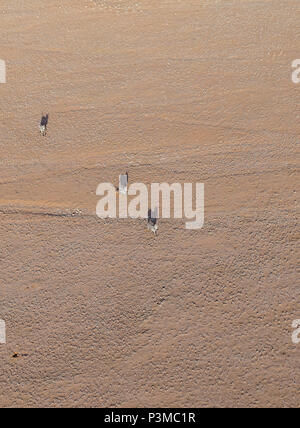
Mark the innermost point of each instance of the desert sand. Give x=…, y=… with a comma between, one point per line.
x=101, y=312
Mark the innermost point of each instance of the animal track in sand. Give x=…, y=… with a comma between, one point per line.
x=118, y=5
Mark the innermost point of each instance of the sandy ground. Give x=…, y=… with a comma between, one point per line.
x=101, y=312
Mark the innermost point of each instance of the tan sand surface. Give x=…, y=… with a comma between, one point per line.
x=102, y=313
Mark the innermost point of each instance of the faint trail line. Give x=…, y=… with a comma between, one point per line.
x=63, y=213
x=247, y=131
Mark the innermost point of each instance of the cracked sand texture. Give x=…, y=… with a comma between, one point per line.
x=101, y=312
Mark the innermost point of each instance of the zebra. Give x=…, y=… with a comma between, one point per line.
x=43, y=130
x=152, y=222
x=43, y=125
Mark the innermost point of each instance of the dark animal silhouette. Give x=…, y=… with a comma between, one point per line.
x=43, y=124
x=152, y=222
